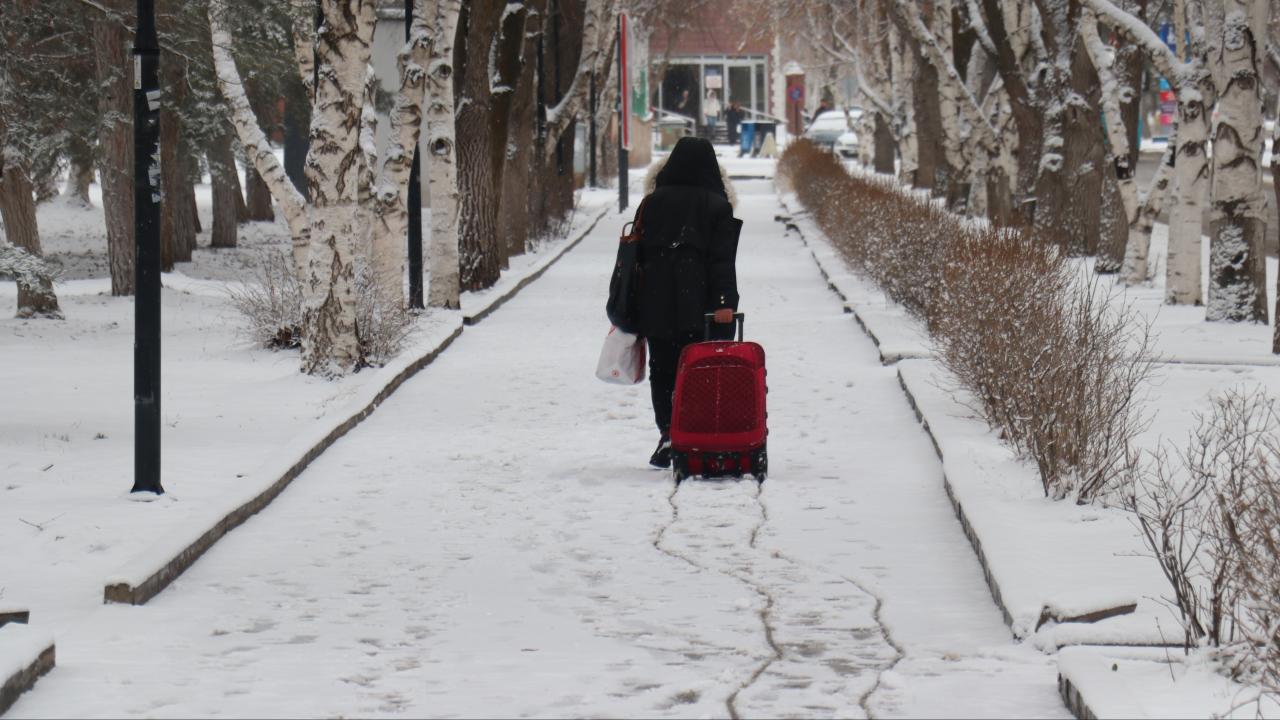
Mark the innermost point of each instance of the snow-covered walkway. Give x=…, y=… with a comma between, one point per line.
x=491, y=542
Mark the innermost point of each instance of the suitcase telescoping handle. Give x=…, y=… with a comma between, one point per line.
x=740, y=319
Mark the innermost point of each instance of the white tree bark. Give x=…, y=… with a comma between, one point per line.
x=1194, y=89
x=1237, y=264
x=968, y=108
x=902, y=68
x=442, y=180
x=1103, y=58
x=331, y=335
x=256, y=147
x=304, y=48
x=390, y=200
x=950, y=89
x=1137, y=251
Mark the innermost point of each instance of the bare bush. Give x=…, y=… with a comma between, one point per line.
x=1056, y=365
x=272, y=300
x=384, y=323
x=1209, y=518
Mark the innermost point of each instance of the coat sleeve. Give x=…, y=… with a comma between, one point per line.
x=722, y=274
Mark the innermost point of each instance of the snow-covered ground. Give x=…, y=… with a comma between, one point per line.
x=235, y=415
x=491, y=542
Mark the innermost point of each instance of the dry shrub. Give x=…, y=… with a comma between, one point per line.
x=272, y=302
x=1210, y=515
x=1055, y=364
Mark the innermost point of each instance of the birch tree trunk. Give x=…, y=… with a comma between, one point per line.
x=18, y=210
x=384, y=260
x=256, y=148
x=391, y=210
x=1112, y=97
x=1059, y=156
x=902, y=68
x=1138, y=248
x=1182, y=271
x=115, y=146
x=442, y=180
x=1238, y=225
x=955, y=178
x=331, y=333
x=1275, y=181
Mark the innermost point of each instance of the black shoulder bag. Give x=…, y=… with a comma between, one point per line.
x=623, y=285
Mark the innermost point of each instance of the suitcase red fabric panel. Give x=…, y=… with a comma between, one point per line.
x=719, y=403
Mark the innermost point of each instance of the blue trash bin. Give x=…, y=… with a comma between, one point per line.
x=747, y=131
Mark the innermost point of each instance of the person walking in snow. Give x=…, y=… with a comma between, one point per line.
x=686, y=259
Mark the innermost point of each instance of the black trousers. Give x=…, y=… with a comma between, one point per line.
x=664, y=355
x=664, y=359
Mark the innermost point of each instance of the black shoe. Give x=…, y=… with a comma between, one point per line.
x=661, y=457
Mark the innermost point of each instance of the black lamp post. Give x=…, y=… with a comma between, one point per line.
x=146, y=229
x=415, y=201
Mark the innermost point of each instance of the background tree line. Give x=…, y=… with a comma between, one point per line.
x=493, y=88
x=1027, y=112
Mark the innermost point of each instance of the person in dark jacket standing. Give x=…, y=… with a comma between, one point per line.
x=733, y=118
x=687, y=264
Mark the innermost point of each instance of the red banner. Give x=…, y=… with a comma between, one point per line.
x=624, y=82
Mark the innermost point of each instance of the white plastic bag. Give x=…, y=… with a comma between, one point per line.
x=621, y=358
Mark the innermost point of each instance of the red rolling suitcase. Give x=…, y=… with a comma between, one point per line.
x=718, y=417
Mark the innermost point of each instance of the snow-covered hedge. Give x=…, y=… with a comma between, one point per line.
x=1054, y=364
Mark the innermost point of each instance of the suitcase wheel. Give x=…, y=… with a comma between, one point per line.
x=679, y=467
x=760, y=464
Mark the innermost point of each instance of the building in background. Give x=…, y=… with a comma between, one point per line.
x=720, y=48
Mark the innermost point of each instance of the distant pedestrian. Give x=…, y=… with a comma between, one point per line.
x=682, y=105
x=732, y=119
x=711, y=111
x=687, y=259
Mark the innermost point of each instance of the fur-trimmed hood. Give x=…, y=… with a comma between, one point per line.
x=651, y=180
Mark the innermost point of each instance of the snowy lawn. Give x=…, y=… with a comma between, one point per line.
x=235, y=416
x=492, y=543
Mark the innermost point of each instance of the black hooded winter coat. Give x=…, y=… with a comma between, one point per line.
x=690, y=243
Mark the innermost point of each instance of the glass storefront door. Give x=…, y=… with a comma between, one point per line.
x=740, y=85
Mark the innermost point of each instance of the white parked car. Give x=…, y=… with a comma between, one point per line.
x=832, y=131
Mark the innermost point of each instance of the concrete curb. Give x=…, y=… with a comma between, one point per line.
x=498, y=301
x=138, y=593
x=1074, y=700
x=974, y=541
x=14, y=615
x=38, y=657
x=888, y=356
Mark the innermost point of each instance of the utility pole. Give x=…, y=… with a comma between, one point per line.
x=624, y=112
x=415, y=201
x=146, y=233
